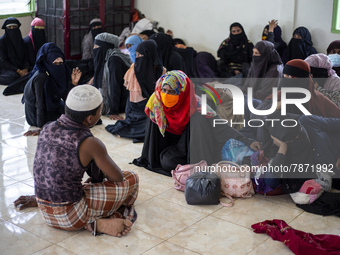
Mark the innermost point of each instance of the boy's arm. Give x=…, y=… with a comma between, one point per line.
x=94, y=149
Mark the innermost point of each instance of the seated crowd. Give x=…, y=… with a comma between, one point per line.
x=151, y=77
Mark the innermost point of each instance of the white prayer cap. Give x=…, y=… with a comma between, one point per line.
x=84, y=98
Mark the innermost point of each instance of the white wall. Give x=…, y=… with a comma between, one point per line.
x=25, y=25
x=204, y=24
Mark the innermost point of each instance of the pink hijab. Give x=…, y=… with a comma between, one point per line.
x=36, y=22
x=321, y=60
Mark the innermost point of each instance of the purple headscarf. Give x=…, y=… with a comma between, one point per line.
x=321, y=60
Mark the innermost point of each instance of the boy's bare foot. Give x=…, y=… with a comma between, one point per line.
x=114, y=227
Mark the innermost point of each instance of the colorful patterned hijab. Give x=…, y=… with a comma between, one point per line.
x=176, y=118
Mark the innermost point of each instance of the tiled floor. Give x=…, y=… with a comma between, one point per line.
x=165, y=224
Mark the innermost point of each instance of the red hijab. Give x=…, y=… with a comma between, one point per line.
x=172, y=119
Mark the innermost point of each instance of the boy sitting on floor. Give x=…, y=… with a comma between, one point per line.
x=66, y=149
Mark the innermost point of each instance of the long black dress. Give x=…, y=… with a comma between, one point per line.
x=147, y=70
x=199, y=141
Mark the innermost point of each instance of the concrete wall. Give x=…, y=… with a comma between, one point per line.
x=205, y=24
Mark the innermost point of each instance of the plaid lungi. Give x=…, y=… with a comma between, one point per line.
x=100, y=200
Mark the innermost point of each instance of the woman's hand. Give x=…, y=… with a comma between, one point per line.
x=282, y=145
x=255, y=146
x=272, y=24
x=75, y=76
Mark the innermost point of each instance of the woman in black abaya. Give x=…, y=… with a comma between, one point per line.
x=140, y=80
x=235, y=52
x=13, y=60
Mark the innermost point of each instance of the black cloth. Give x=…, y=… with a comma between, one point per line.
x=85, y=66
x=36, y=112
x=96, y=31
x=99, y=55
x=299, y=48
x=31, y=54
x=234, y=51
x=275, y=37
x=299, y=151
x=12, y=49
x=265, y=71
x=8, y=76
x=133, y=126
x=327, y=204
x=199, y=141
x=188, y=55
x=148, y=69
x=118, y=95
x=206, y=65
x=12, y=53
x=56, y=85
x=17, y=86
x=39, y=39
x=171, y=59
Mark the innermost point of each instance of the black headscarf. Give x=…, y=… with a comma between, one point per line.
x=15, y=44
x=236, y=47
x=148, y=33
x=300, y=48
x=277, y=33
x=164, y=47
x=108, y=46
x=148, y=68
x=56, y=84
x=95, y=31
x=299, y=149
x=261, y=64
x=238, y=39
x=39, y=38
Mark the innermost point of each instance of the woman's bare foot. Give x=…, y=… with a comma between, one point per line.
x=114, y=227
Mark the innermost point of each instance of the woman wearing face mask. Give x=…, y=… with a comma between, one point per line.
x=131, y=44
x=35, y=39
x=300, y=46
x=110, y=65
x=176, y=132
x=140, y=80
x=333, y=52
x=46, y=90
x=272, y=33
x=13, y=60
x=297, y=74
x=95, y=28
x=235, y=52
x=265, y=70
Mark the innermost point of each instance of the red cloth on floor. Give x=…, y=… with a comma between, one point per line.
x=297, y=241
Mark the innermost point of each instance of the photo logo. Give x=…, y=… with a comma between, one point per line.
x=204, y=97
x=238, y=100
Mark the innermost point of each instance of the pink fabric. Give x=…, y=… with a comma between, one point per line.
x=132, y=85
x=36, y=22
x=321, y=60
x=299, y=242
x=311, y=187
x=182, y=172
